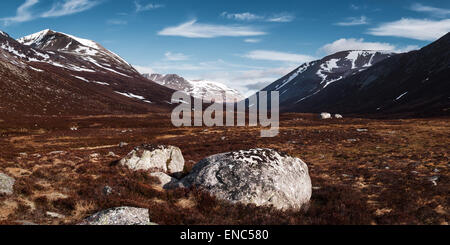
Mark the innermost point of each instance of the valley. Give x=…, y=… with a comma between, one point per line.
x=363, y=171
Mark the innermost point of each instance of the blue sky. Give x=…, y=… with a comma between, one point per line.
x=243, y=44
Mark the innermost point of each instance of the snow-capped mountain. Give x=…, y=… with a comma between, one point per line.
x=310, y=78
x=90, y=54
x=371, y=82
x=197, y=88
x=55, y=73
x=408, y=83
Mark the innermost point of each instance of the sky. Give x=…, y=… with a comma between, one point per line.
x=244, y=44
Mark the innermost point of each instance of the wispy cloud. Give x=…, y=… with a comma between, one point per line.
x=438, y=12
x=419, y=29
x=281, y=18
x=277, y=56
x=192, y=29
x=247, y=16
x=344, y=44
x=23, y=13
x=175, y=56
x=69, y=7
x=146, y=7
x=252, y=40
x=354, y=21
x=242, y=16
x=62, y=8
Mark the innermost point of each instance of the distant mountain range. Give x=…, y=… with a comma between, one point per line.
x=52, y=73
x=55, y=73
x=371, y=82
x=197, y=88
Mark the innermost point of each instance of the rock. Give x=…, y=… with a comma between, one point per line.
x=57, y=152
x=167, y=182
x=167, y=159
x=25, y=222
x=23, y=154
x=119, y=216
x=111, y=154
x=259, y=176
x=6, y=184
x=107, y=190
x=55, y=215
x=325, y=115
x=338, y=116
x=122, y=144
x=362, y=130
x=94, y=155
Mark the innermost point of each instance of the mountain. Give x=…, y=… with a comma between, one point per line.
x=54, y=73
x=197, y=88
x=311, y=78
x=414, y=83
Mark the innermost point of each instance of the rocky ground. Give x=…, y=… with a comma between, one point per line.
x=363, y=171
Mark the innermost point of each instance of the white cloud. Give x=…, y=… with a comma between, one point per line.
x=439, y=12
x=277, y=56
x=192, y=29
x=254, y=17
x=354, y=21
x=420, y=29
x=252, y=40
x=281, y=18
x=344, y=44
x=69, y=7
x=62, y=8
x=242, y=16
x=175, y=56
x=23, y=13
x=146, y=7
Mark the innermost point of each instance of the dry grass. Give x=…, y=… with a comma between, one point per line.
x=374, y=177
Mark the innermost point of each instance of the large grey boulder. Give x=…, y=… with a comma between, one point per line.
x=167, y=159
x=119, y=216
x=258, y=176
x=6, y=184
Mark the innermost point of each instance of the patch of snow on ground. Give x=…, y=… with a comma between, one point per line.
x=130, y=95
x=399, y=97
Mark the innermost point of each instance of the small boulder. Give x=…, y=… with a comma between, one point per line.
x=325, y=115
x=6, y=184
x=167, y=182
x=167, y=159
x=119, y=216
x=259, y=176
x=107, y=190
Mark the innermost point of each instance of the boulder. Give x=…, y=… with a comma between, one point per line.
x=167, y=182
x=167, y=159
x=262, y=177
x=119, y=216
x=6, y=184
x=325, y=115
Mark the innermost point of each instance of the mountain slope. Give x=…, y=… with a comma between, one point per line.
x=310, y=78
x=197, y=88
x=40, y=78
x=416, y=82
